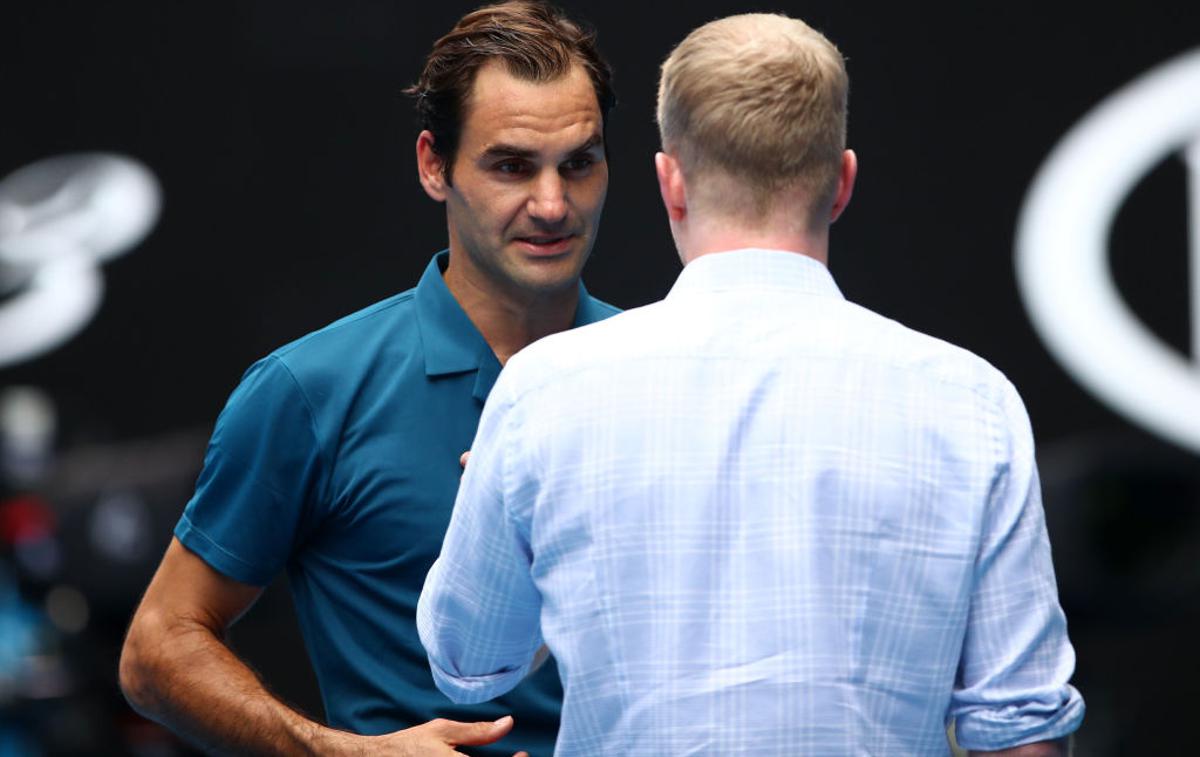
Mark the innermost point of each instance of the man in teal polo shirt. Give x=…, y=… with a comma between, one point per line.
x=337, y=457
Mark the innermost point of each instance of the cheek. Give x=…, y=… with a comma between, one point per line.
x=485, y=210
x=593, y=197
x=505, y=207
x=461, y=215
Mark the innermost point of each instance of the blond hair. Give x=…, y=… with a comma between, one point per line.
x=760, y=100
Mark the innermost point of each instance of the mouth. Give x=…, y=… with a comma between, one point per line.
x=544, y=245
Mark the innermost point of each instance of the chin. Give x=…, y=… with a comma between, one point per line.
x=548, y=285
x=554, y=273
x=549, y=282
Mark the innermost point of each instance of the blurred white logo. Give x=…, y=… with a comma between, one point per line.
x=1062, y=241
x=59, y=218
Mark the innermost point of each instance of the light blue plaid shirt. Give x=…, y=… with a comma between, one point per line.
x=756, y=518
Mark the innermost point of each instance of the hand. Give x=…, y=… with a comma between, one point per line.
x=462, y=459
x=432, y=739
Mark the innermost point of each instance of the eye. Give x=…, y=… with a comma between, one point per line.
x=511, y=167
x=578, y=164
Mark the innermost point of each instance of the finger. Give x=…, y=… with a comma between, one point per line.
x=462, y=459
x=474, y=734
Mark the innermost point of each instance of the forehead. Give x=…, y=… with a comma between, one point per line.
x=504, y=109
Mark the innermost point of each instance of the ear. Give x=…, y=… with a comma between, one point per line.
x=845, y=184
x=431, y=167
x=670, y=184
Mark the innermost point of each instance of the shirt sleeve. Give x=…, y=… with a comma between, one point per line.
x=1012, y=685
x=260, y=471
x=478, y=615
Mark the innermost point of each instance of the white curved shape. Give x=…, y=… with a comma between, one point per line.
x=59, y=218
x=1062, y=238
x=124, y=202
x=57, y=303
x=102, y=204
x=1192, y=157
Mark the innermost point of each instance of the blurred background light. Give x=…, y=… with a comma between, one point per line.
x=67, y=609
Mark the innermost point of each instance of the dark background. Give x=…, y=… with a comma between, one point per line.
x=285, y=151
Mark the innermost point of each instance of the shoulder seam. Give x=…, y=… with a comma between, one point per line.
x=312, y=417
x=346, y=320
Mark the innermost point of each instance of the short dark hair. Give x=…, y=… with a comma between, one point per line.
x=535, y=40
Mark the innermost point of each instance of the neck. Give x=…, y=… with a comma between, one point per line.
x=719, y=235
x=509, y=321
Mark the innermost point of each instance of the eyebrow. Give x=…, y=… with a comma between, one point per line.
x=512, y=151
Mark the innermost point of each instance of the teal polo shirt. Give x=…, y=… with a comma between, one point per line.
x=336, y=459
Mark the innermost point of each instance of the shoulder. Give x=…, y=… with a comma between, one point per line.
x=335, y=360
x=595, y=309
x=364, y=341
x=388, y=319
x=936, y=361
x=620, y=335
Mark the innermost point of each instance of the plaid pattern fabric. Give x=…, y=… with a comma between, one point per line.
x=756, y=518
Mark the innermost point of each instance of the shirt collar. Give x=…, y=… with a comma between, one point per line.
x=451, y=342
x=589, y=310
x=753, y=268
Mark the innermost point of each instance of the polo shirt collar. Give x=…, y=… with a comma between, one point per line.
x=589, y=310
x=756, y=269
x=451, y=342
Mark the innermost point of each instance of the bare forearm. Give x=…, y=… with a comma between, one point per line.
x=176, y=669
x=181, y=675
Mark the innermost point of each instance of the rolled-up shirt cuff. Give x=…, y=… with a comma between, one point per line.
x=475, y=689
x=985, y=728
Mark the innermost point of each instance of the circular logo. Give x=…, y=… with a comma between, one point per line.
x=1062, y=243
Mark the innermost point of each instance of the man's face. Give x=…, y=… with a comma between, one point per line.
x=529, y=182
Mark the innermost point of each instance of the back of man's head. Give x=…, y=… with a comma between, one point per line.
x=757, y=101
x=535, y=41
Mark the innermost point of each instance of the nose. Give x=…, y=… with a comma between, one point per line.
x=548, y=197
